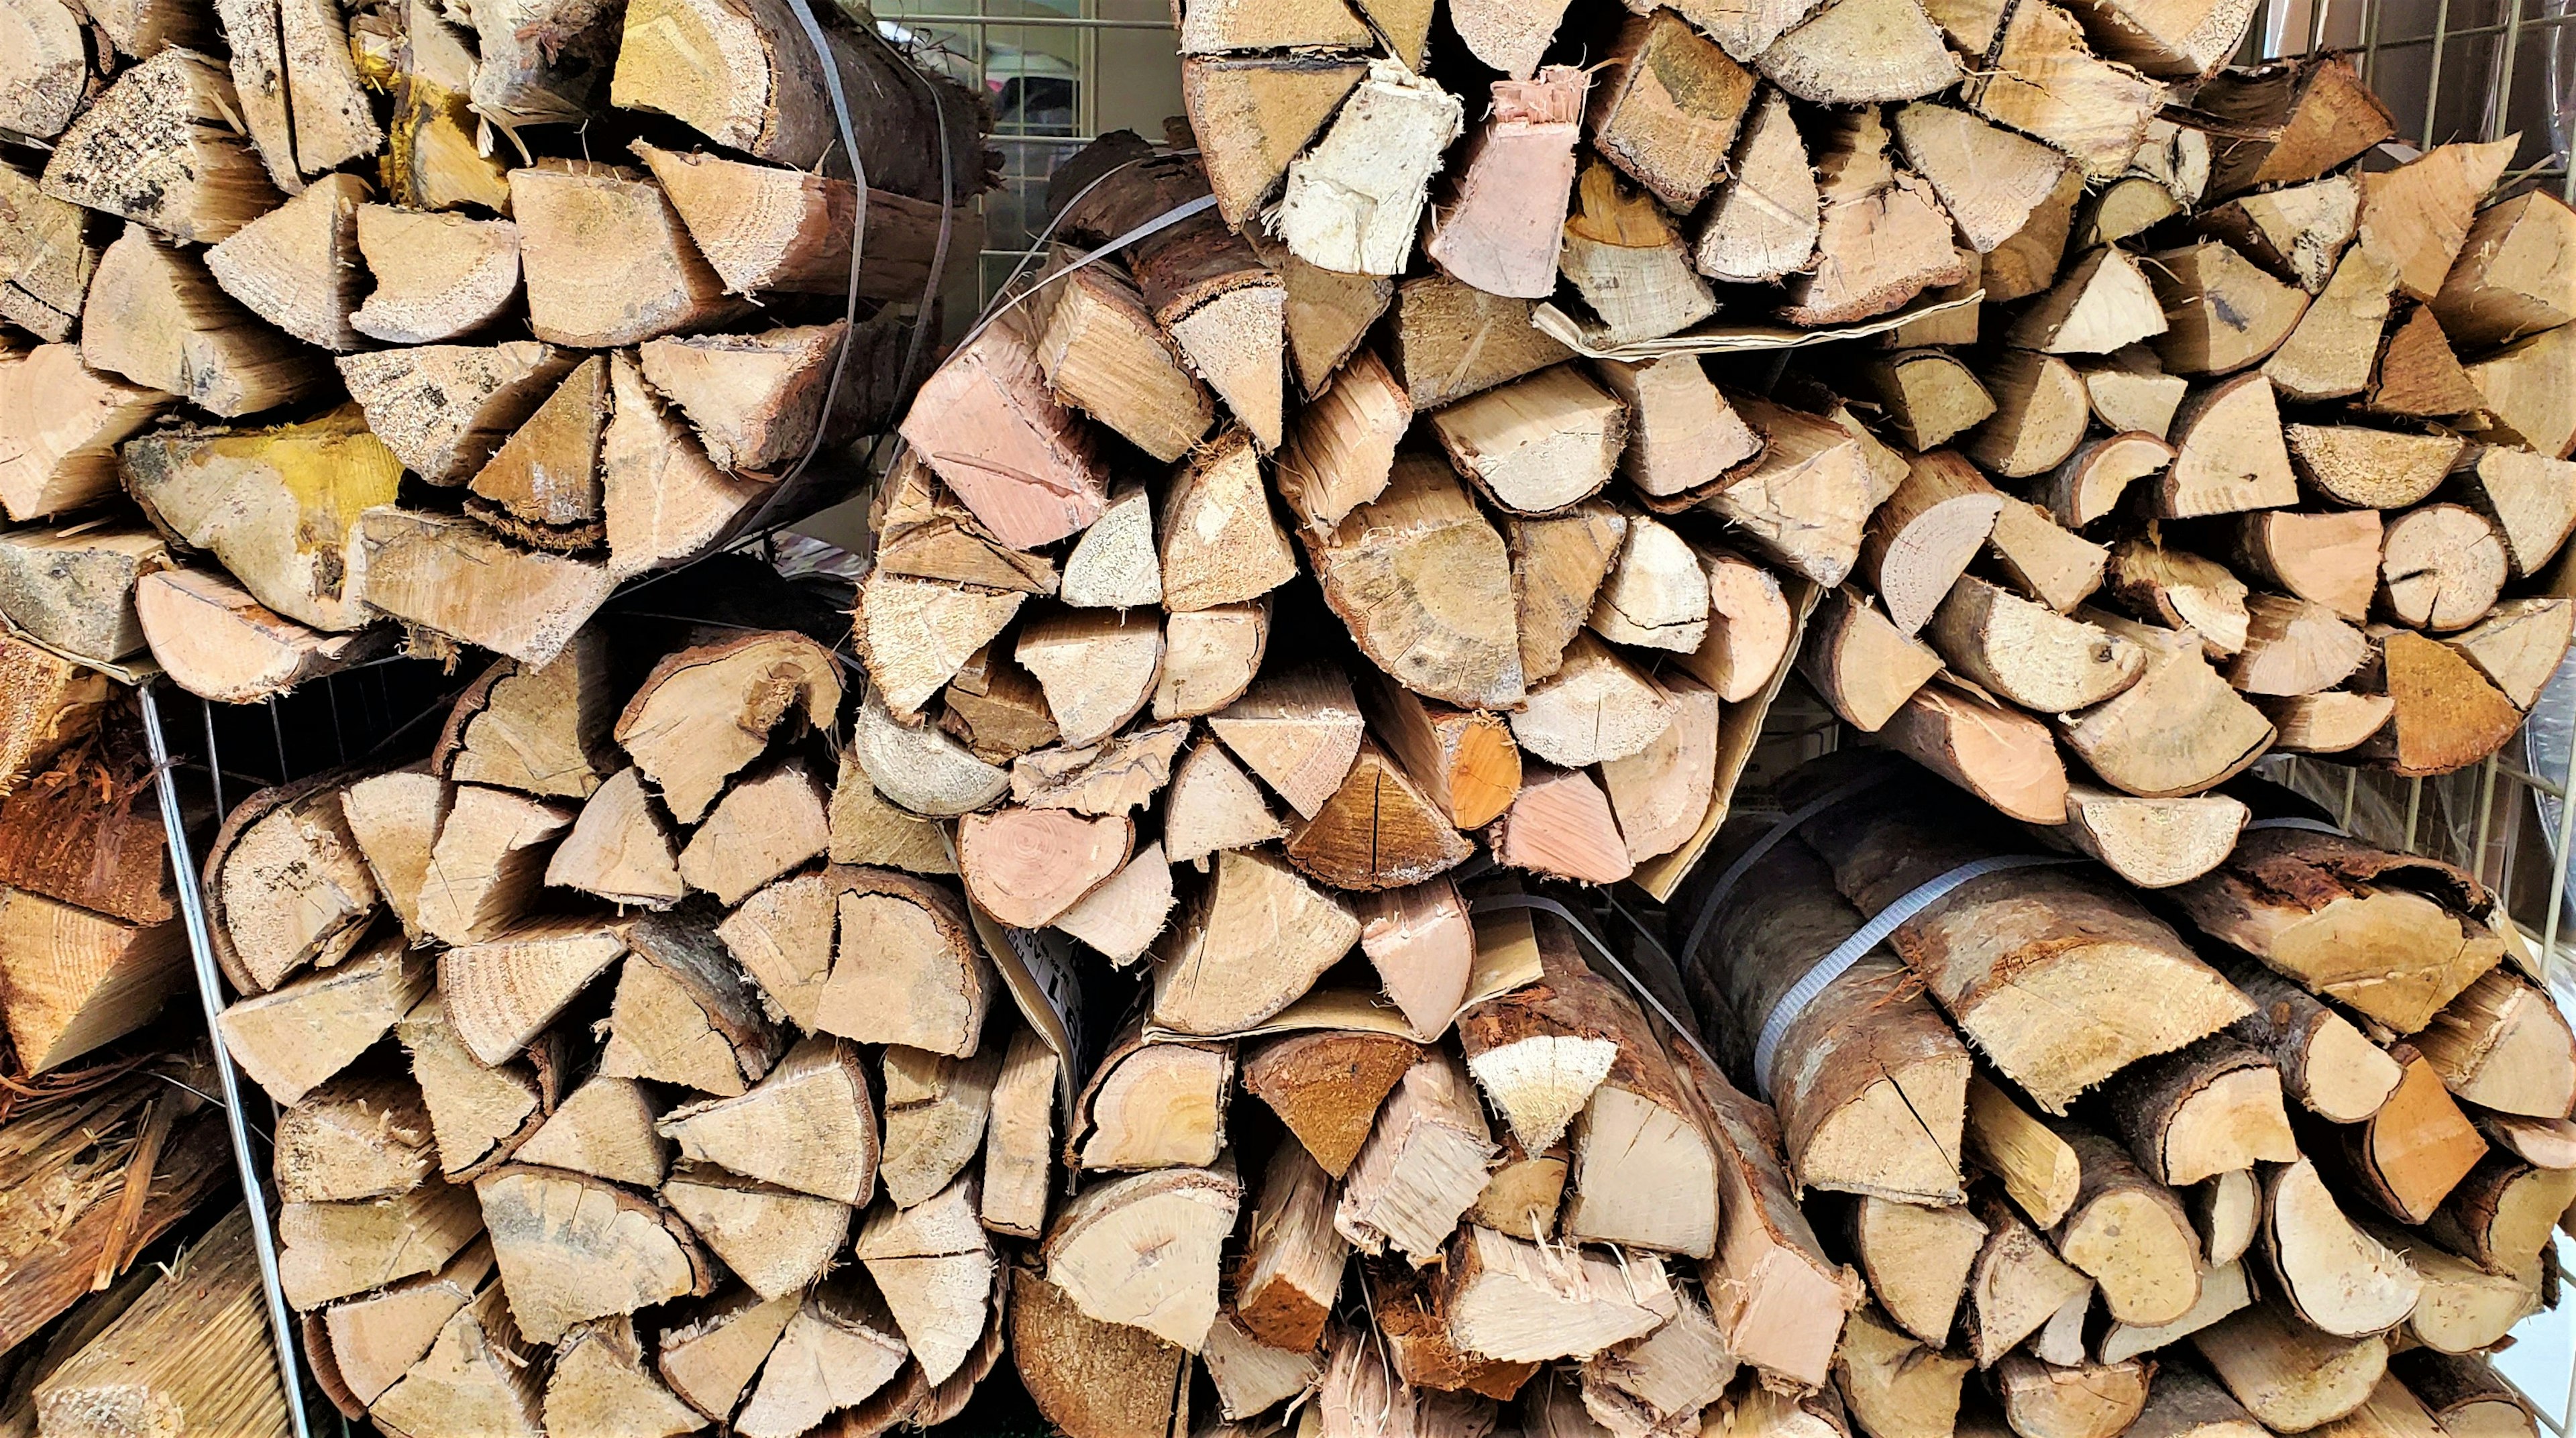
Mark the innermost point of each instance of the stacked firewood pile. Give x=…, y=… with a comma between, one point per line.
x=566, y=1020
x=438, y=317
x=2281, y=1146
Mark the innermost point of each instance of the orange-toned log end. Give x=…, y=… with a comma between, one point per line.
x=2448, y=716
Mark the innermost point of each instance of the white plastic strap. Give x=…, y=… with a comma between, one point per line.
x=1785, y=1010
x=1789, y=824
x=1689, y=1033
x=2313, y=826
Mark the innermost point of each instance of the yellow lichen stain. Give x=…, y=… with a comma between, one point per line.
x=333, y=467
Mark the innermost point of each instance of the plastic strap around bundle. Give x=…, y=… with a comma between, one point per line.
x=1788, y=825
x=2313, y=826
x=1785, y=1009
x=1545, y=905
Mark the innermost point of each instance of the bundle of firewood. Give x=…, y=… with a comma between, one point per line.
x=567, y=1023
x=441, y=314
x=2282, y=1146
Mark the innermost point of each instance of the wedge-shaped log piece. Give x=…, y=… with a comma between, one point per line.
x=1502, y=229
x=2409, y=1154
x=705, y=712
x=909, y=970
x=64, y=423
x=438, y=276
x=1597, y=707
x=2211, y=1108
x=2502, y=1046
x=487, y=865
x=1989, y=179
x=571, y=1247
x=2152, y=843
x=2511, y=278
x=361, y=1135
x=301, y=1033
x=2014, y=1284
x=1326, y=1086
x=921, y=770
x=2305, y=117
x=1254, y=113
x=2531, y=500
x=765, y=228
x=1628, y=261
x=2039, y=416
x=1661, y=793
x=2182, y=592
x=985, y=418
x=1341, y=448
x=2416, y=217
x=663, y=501
x=1883, y=237
x=2526, y=391
x=1538, y=444
x=443, y=409
x=684, y=1014
x=1153, y=1105
x=504, y=989
x=297, y=266
x=1930, y=396
x=2418, y=377
x=607, y=260
x=2336, y=1278
x=1423, y=582
x=155, y=315
x=808, y=1126
x=2101, y=303
x=2394, y=938
x=1917, y=1260
x=1253, y=940
x=2328, y=559
x=2001, y=755
x=2030, y=654
x=1299, y=729
x=915, y=634
x=1558, y=565
x=2330, y=722
x=1666, y=114
x=2129, y=1234
x=711, y=1357
x=1857, y=52
x=1861, y=664
x=1560, y=824
x=620, y=848
x=1763, y=225
x=1144, y=1250
x=1025, y=867
x=1378, y=831
x=164, y=146
x=478, y=1114
x=1220, y=542
x=868, y=829
x=2179, y=730
x=543, y=485
x=1920, y=541
x=332, y=1250
x=1353, y=201
x=756, y=400
x=2293, y=646
x=1893, y=1386
x=2229, y=454
x=777, y=1240
x=1113, y=777
x=840, y=1348
x=2290, y=1377
x=600, y=1387
x=1109, y=1380
x=287, y=885
x=2500, y=1216
x=2331, y=351
x=605, y=1129
x=2446, y=715
x=2045, y=82
x=1422, y=1166
x=2324, y=1061
x=1508, y=1301
x=1102, y=352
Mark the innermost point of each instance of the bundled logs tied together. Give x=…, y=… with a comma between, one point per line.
x=442, y=314
x=2278, y=1149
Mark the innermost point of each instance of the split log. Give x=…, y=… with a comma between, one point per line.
x=1561, y=825
x=937, y=1271
x=1502, y=230
x=1669, y=116
x=2331, y=351
x=2409, y=1155
x=1863, y=665
x=2211, y=1108
x=1917, y=1260
x=2129, y=1234
x=163, y=147
x=2290, y=1377
x=908, y=970
x=920, y=769
x=1558, y=566
x=2464, y=1395
x=2179, y=730
x=2327, y=559
x=2464, y=1308
x=1764, y=224
x=1930, y=396
x=1422, y=1166
x=600, y=1388
x=2417, y=376
x=65, y=422
x=1253, y=941
x=1299, y=729
x=2152, y=843
x=2014, y=1285
x=1144, y=1250
x=1220, y=543
x=605, y=1129
x=986, y=417
x=1326, y=1087
x=155, y=315
x=2040, y=411
x=1893, y=1386
x=2524, y=385
x=1353, y=201
x=1213, y=806
x=1882, y=237
x=1099, y=347
x=2046, y=83
x=1152, y=1105
x=2503, y=1046
x=2294, y=646
x=935, y=1109
x=705, y=712
x=2507, y=281
x=1293, y=1260
x=1019, y=1138
x=1025, y=867
x=488, y=863
x=2039, y=1169
x=2324, y=1061
x=2298, y=232
x=2336, y=1278
x=1378, y=568
x=296, y=266
x=807, y=1126
x=2331, y=722
x=2530, y=499
x=2000, y=755
x=332, y=1250
x=2444, y=713
x=1509, y=1301
x=478, y=1114
x=296, y=1036
x=2501, y=1215
x=2407, y=934
x=2029, y=654
x=1093, y=1379
x=684, y=1014
x=1962, y=944
x=777, y=1240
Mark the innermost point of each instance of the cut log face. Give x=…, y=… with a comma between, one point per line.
x=2040, y=411
x=65, y=423
x=452, y=577
x=1378, y=831
x=920, y=769
x=540, y=729
x=289, y=886
x=361, y=1135
x=2152, y=843
x=443, y=409
x=1597, y=707
x=2002, y=756
x=1558, y=565
x=986, y=417
x=2525, y=388
x=2531, y=499
x=2031, y=655
x=1025, y=867
x=2441, y=567
x=1861, y=664
x=1917, y=1260
x=1882, y=238
x=1501, y=232
x=2508, y=280
x=2417, y=376
x=2326, y=559
x=777, y=1240
x=607, y=261
x=1144, y=1250
x=1627, y=259
x=1108, y=1379
x=2445, y=715
x=1763, y=225
x=571, y=1248
x=619, y=848
x=1422, y=1167
x=1506, y=1301
x=2502, y=1046
x=2210, y=1108
x=1849, y=53
x=600, y=1388
x=908, y=969
x=1667, y=114
x=1253, y=941
x=1538, y=444
x=438, y=276
x=2293, y=646
x=605, y=1129
x=296, y=267
x=2046, y=83
x=332, y=1250
x=808, y=1126
x=2101, y=303
x=488, y=863
x=683, y=1014
x=1424, y=584
x=478, y=1114
x=502, y=991
x=1561, y=824
x=2014, y=1285
x=2330, y=353
x=294, y=1037
x=1989, y=179
x=164, y=146
x=1893, y=1386
x=705, y=712
x=2338, y=1279
x=936, y=1107
x=2290, y=1377
x=2179, y=730
x=1326, y=1086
